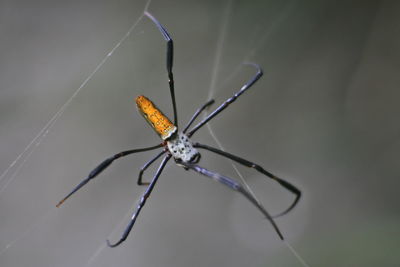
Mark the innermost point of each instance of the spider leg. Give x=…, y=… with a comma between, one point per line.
x=145, y=166
x=197, y=113
x=230, y=100
x=141, y=203
x=232, y=184
x=102, y=166
x=170, y=58
x=260, y=169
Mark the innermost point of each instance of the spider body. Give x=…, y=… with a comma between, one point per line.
x=177, y=144
x=157, y=120
x=181, y=148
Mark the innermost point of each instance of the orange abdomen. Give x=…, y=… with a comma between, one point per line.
x=157, y=120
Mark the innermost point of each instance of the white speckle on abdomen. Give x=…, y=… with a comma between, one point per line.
x=182, y=148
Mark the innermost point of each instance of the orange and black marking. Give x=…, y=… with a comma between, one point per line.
x=157, y=120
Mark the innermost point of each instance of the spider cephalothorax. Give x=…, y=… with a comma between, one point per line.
x=178, y=145
x=181, y=148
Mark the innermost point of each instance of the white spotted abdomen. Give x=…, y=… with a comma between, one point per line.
x=182, y=148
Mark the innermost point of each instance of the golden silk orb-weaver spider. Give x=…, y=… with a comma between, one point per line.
x=177, y=144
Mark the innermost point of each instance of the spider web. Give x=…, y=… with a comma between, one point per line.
x=15, y=174
x=247, y=58
x=308, y=119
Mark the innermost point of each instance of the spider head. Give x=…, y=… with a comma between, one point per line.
x=181, y=148
x=195, y=158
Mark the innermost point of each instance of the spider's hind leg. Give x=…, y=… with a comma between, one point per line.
x=170, y=58
x=230, y=100
x=197, y=113
x=145, y=166
x=102, y=166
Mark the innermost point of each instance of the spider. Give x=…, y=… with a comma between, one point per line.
x=177, y=145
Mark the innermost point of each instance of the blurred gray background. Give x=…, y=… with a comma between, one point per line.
x=324, y=116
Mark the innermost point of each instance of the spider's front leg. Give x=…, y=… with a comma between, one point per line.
x=232, y=184
x=141, y=203
x=283, y=183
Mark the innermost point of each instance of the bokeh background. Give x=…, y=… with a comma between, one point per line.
x=324, y=116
